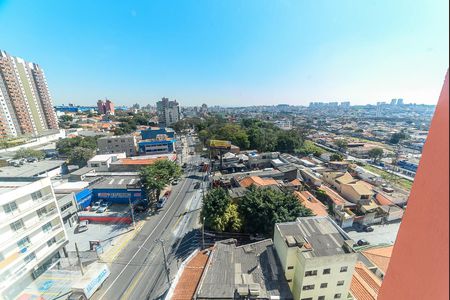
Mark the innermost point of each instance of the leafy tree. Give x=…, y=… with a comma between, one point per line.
x=261, y=208
x=24, y=153
x=218, y=213
x=66, y=118
x=376, y=154
x=79, y=156
x=397, y=137
x=336, y=157
x=155, y=177
x=308, y=147
x=341, y=144
x=288, y=141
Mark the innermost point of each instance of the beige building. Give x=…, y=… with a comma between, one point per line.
x=357, y=192
x=337, y=179
x=317, y=258
x=117, y=144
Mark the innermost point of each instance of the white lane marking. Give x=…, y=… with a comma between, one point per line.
x=142, y=245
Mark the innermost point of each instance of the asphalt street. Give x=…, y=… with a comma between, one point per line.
x=139, y=271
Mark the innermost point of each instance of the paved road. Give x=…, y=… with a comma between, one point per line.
x=139, y=272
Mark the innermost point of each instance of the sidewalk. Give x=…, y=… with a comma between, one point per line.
x=120, y=242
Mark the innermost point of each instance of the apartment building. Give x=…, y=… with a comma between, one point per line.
x=25, y=103
x=32, y=234
x=117, y=144
x=317, y=258
x=105, y=107
x=168, y=112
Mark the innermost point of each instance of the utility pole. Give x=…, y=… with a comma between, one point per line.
x=165, y=260
x=79, y=259
x=132, y=211
x=203, y=233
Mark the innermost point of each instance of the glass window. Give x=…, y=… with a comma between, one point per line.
x=10, y=207
x=323, y=285
x=23, y=243
x=337, y=296
x=311, y=273
x=344, y=269
x=290, y=267
x=41, y=212
x=17, y=225
x=47, y=227
x=29, y=257
x=310, y=298
x=340, y=282
x=326, y=271
x=321, y=298
x=36, y=195
x=308, y=287
x=51, y=242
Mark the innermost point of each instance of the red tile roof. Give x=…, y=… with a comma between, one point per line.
x=379, y=256
x=365, y=285
x=309, y=201
x=335, y=197
x=149, y=161
x=258, y=181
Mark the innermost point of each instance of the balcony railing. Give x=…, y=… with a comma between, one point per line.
x=23, y=211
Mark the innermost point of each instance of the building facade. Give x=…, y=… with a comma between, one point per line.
x=105, y=107
x=26, y=106
x=117, y=144
x=32, y=234
x=150, y=147
x=317, y=258
x=168, y=112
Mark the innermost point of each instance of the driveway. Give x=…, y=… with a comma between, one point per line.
x=381, y=234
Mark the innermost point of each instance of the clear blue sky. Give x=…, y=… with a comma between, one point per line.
x=232, y=52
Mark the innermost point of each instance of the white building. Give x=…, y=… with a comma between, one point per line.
x=31, y=232
x=317, y=258
x=100, y=163
x=168, y=112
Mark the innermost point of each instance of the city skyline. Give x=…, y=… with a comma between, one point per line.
x=238, y=54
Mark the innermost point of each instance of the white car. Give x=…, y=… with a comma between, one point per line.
x=96, y=205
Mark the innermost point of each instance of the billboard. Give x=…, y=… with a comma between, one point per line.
x=220, y=144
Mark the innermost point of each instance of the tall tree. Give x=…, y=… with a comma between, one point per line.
x=376, y=154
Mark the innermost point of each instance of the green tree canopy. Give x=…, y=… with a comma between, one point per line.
x=376, y=154
x=336, y=157
x=79, y=156
x=155, y=177
x=25, y=152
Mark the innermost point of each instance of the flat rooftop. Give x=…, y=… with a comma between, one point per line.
x=232, y=269
x=321, y=233
x=31, y=169
x=115, y=182
x=8, y=184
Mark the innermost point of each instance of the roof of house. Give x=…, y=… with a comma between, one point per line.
x=321, y=234
x=309, y=201
x=345, y=178
x=252, y=266
x=360, y=188
x=379, y=256
x=148, y=161
x=190, y=276
x=106, y=157
x=365, y=285
x=383, y=199
x=335, y=197
x=258, y=181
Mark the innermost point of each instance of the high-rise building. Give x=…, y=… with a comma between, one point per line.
x=25, y=103
x=400, y=101
x=393, y=101
x=316, y=256
x=32, y=234
x=105, y=107
x=168, y=112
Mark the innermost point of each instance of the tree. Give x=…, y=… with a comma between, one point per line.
x=341, y=144
x=66, y=118
x=155, y=177
x=336, y=157
x=261, y=208
x=397, y=137
x=376, y=154
x=79, y=156
x=25, y=153
x=219, y=213
x=288, y=141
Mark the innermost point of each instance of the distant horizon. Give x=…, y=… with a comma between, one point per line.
x=233, y=53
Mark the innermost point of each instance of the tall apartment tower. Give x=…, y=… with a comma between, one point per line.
x=32, y=234
x=168, y=112
x=26, y=105
x=105, y=107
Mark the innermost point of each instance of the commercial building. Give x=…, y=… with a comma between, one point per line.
x=105, y=107
x=149, y=147
x=153, y=133
x=317, y=258
x=26, y=106
x=117, y=144
x=31, y=232
x=100, y=163
x=168, y=112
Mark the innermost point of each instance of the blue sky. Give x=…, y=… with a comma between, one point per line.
x=231, y=53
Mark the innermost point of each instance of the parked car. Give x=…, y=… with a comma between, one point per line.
x=197, y=185
x=96, y=205
x=184, y=166
x=175, y=182
x=103, y=207
x=368, y=229
x=161, y=203
x=83, y=225
x=362, y=243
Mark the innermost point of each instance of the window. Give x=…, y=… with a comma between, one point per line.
x=51, y=242
x=340, y=283
x=17, y=225
x=343, y=269
x=326, y=271
x=311, y=273
x=36, y=195
x=321, y=298
x=308, y=287
x=289, y=280
x=290, y=267
x=10, y=207
x=337, y=296
x=93, y=165
x=323, y=285
x=29, y=257
x=23, y=243
x=41, y=212
x=47, y=227
x=310, y=298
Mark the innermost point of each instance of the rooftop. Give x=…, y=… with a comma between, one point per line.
x=309, y=201
x=8, y=184
x=31, y=169
x=243, y=269
x=316, y=236
x=257, y=181
x=109, y=182
x=106, y=157
x=379, y=257
x=365, y=285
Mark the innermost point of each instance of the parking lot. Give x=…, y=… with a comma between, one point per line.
x=381, y=234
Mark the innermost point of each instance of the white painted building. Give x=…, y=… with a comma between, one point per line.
x=317, y=258
x=31, y=232
x=100, y=163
